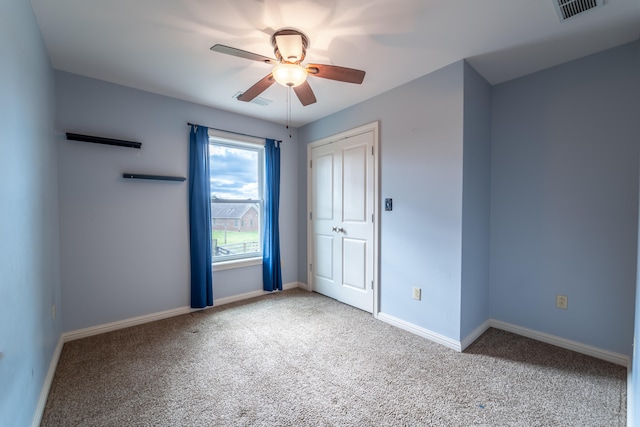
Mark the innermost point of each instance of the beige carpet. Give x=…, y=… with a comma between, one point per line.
x=300, y=359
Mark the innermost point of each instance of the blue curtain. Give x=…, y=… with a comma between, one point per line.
x=271, y=273
x=200, y=218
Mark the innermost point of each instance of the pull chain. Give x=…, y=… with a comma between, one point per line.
x=289, y=109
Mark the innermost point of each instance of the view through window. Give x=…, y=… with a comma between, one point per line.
x=237, y=184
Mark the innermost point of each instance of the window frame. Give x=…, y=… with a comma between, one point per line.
x=225, y=139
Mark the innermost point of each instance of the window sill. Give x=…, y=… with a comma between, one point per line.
x=237, y=263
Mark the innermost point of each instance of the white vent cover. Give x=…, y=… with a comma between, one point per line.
x=568, y=8
x=257, y=100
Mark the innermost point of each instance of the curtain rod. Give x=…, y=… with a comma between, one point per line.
x=235, y=133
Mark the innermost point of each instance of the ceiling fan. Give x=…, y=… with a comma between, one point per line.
x=290, y=48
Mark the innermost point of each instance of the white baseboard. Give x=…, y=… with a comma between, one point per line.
x=121, y=324
x=254, y=294
x=598, y=353
x=420, y=331
x=469, y=339
x=44, y=393
x=139, y=320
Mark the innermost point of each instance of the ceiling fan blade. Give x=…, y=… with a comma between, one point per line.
x=333, y=72
x=257, y=88
x=305, y=94
x=242, y=54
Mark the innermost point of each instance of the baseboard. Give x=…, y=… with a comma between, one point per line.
x=121, y=324
x=303, y=286
x=425, y=333
x=469, y=339
x=253, y=294
x=598, y=353
x=48, y=380
x=139, y=320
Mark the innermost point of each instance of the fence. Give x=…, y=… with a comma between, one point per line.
x=235, y=248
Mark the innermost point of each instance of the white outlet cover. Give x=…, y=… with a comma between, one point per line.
x=562, y=301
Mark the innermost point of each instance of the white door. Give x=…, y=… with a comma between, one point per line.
x=341, y=220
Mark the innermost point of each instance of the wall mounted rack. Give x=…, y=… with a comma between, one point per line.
x=100, y=140
x=154, y=177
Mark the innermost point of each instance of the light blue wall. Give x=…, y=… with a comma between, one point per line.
x=124, y=243
x=421, y=142
x=29, y=264
x=564, y=205
x=476, y=202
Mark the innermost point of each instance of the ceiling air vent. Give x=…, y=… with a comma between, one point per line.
x=257, y=100
x=568, y=8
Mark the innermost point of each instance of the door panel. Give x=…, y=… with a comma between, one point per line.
x=324, y=186
x=324, y=257
x=354, y=263
x=354, y=189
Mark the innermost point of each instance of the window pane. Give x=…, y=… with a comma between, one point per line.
x=235, y=229
x=234, y=173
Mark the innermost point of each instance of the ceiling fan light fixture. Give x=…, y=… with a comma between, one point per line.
x=291, y=75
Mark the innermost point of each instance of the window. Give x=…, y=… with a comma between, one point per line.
x=236, y=168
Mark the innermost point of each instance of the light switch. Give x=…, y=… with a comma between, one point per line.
x=388, y=204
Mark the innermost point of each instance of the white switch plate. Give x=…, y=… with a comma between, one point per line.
x=417, y=293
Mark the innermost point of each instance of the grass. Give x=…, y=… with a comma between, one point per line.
x=235, y=236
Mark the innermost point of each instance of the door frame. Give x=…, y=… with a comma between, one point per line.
x=371, y=127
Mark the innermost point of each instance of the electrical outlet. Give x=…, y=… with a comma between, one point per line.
x=562, y=301
x=417, y=293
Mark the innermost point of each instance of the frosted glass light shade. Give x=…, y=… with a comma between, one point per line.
x=289, y=74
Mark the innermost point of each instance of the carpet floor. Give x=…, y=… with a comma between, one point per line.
x=297, y=358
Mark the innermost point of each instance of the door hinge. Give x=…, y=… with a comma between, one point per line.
x=372, y=218
x=311, y=215
x=310, y=267
x=372, y=150
x=372, y=284
x=310, y=164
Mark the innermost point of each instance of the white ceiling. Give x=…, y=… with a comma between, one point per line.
x=162, y=46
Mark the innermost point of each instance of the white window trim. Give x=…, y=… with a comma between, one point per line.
x=235, y=138
x=236, y=263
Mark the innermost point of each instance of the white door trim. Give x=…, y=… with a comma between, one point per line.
x=371, y=127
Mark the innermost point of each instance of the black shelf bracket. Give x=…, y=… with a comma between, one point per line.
x=100, y=140
x=154, y=177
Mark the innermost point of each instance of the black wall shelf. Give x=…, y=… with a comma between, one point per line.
x=100, y=140
x=154, y=177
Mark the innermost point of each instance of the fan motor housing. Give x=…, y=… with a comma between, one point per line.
x=289, y=32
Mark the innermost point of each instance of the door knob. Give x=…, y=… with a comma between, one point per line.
x=334, y=228
x=340, y=230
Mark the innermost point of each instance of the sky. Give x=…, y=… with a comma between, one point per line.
x=234, y=172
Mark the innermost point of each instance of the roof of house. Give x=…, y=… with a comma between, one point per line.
x=230, y=210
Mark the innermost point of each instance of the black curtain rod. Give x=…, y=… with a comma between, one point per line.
x=235, y=133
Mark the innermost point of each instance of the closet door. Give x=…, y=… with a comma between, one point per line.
x=342, y=194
